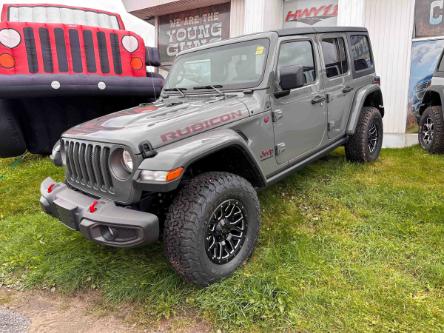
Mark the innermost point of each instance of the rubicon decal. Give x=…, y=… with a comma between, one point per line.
x=201, y=126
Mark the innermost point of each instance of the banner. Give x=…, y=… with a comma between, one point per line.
x=185, y=30
x=429, y=18
x=310, y=13
x=425, y=57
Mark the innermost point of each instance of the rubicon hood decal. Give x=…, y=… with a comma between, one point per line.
x=200, y=126
x=161, y=123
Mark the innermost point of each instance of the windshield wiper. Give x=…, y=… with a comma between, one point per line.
x=214, y=87
x=180, y=90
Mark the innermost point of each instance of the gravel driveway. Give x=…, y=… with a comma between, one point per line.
x=12, y=322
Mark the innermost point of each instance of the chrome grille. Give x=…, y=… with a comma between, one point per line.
x=87, y=165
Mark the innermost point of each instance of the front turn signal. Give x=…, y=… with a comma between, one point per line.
x=161, y=176
x=7, y=60
x=136, y=63
x=174, y=174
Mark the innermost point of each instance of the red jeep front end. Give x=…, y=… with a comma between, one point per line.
x=62, y=65
x=96, y=56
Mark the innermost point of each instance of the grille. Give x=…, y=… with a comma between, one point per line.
x=73, y=48
x=87, y=165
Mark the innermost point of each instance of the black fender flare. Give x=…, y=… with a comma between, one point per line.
x=358, y=103
x=186, y=152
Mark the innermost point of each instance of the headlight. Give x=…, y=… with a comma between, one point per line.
x=160, y=176
x=56, y=155
x=130, y=43
x=121, y=163
x=127, y=161
x=10, y=38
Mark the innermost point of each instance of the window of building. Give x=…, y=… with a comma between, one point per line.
x=299, y=53
x=335, y=56
x=361, y=53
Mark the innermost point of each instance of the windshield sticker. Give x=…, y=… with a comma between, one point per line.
x=260, y=50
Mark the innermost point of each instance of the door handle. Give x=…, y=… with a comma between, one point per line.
x=318, y=99
x=347, y=89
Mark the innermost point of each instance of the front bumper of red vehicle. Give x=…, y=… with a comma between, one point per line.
x=47, y=85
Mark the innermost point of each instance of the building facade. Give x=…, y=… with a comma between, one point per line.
x=407, y=38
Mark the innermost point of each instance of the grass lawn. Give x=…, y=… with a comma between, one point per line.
x=343, y=247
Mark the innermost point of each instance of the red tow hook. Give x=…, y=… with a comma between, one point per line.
x=93, y=207
x=51, y=188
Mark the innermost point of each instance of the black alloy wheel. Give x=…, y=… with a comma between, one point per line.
x=226, y=232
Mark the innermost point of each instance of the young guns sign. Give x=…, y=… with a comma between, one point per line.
x=185, y=30
x=305, y=13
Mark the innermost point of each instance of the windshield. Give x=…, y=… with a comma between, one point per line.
x=232, y=66
x=62, y=15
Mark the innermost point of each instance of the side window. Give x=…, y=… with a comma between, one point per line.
x=299, y=53
x=335, y=56
x=441, y=64
x=361, y=53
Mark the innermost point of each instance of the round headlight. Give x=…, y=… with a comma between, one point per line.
x=9, y=38
x=130, y=43
x=127, y=161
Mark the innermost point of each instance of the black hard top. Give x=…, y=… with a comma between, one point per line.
x=318, y=30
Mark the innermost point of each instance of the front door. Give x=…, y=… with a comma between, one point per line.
x=300, y=119
x=338, y=83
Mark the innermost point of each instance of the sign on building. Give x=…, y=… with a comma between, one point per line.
x=429, y=18
x=185, y=30
x=310, y=13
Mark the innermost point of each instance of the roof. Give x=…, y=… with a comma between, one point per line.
x=319, y=30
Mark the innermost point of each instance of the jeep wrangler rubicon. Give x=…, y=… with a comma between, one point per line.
x=430, y=114
x=234, y=117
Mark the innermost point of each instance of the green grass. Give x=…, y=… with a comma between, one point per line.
x=343, y=247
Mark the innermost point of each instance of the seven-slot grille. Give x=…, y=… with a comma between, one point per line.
x=70, y=47
x=87, y=165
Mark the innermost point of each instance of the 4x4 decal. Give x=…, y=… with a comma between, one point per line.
x=201, y=126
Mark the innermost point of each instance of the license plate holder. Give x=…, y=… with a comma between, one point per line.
x=66, y=213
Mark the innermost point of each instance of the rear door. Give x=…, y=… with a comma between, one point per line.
x=300, y=117
x=338, y=82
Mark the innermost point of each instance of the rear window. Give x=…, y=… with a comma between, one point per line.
x=62, y=15
x=361, y=52
x=335, y=56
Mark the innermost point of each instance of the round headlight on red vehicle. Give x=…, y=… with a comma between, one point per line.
x=10, y=38
x=130, y=43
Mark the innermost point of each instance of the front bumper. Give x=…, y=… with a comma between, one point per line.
x=98, y=220
x=49, y=85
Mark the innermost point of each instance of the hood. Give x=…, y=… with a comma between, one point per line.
x=162, y=122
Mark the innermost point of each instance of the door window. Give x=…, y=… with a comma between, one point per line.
x=361, y=53
x=299, y=53
x=335, y=57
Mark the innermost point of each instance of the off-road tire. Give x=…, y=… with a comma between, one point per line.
x=12, y=142
x=357, y=148
x=189, y=216
x=432, y=116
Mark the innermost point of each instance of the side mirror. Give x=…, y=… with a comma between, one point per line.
x=291, y=77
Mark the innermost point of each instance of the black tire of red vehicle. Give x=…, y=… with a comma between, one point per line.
x=365, y=145
x=188, y=222
x=431, y=130
x=12, y=142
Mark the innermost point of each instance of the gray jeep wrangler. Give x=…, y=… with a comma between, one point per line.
x=234, y=117
x=431, y=118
